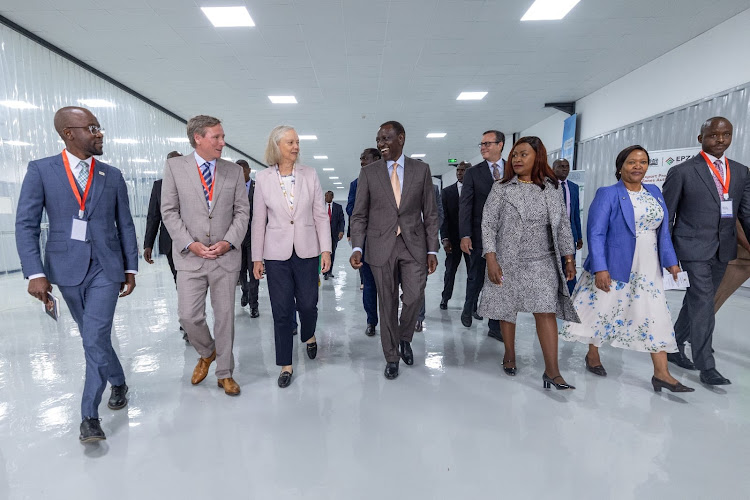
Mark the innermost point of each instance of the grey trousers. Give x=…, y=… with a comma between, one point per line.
x=413, y=278
x=696, y=320
x=192, y=287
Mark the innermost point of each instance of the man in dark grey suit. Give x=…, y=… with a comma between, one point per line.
x=154, y=226
x=704, y=196
x=393, y=195
x=478, y=182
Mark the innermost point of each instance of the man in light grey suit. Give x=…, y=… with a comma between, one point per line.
x=705, y=195
x=393, y=195
x=205, y=208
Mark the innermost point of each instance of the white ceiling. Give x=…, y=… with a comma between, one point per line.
x=354, y=64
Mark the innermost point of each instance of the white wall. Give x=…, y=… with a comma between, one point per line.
x=550, y=131
x=709, y=63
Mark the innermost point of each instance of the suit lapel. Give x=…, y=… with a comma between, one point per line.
x=702, y=170
x=193, y=174
x=409, y=176
x=220, y=176
x=97, y=187
x=59, y=169
x=626, y=206
x=298, y=180
x=381, y=172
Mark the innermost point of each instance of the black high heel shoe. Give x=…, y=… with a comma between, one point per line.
x=596, y=370
x=551, y=381
x=678, y=387
x=312, y=350
x=510, y=371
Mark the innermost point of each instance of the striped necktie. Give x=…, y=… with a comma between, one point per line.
x=209, y=180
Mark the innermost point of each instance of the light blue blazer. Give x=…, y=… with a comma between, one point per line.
x=611, y=232
x=110, y=233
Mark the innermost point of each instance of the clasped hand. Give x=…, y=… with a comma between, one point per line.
x=214, y=251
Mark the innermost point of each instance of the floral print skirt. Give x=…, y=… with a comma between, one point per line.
x=632, y=315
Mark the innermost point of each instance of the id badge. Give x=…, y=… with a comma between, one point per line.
x=78, y=232
x=726, y=209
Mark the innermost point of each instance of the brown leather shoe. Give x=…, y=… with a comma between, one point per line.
x=201, y=369
x=231, y=388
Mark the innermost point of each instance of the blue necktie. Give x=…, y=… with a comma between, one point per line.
x=209, y=180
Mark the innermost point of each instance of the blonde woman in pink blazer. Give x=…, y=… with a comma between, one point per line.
x=290, y=230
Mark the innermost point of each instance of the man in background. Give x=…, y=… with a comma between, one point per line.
x=336, y=217
x=450, y=235
x=571, y=193
x=248, y=282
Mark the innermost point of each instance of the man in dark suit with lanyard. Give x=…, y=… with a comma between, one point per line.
x=478, y=182
x=571, y=194
x=705, y=195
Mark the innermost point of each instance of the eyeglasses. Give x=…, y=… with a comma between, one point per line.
x=93, y=129
x=488, y=144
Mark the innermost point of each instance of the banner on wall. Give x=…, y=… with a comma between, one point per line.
x=663, y=160
x=569, y=140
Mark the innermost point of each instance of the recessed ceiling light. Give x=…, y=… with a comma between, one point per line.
x=141, y=160
x=333, y=178
x=320, y=157
x=97, y=103
x=228, y=17
x=328, y=169
x=339, y=187
x=436, y=135
x=308, y=138
x=16, y=143
x=282, y=99
x=178, y=139
x=150, y=172
x=336, y=183
x=549, y=10
x=471, y=96
x=18, y=105
x=418, y=155
x=125, y=141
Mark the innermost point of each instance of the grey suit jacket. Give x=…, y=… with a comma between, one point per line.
x=698, y=231
x=376, y=217
x=188, y=219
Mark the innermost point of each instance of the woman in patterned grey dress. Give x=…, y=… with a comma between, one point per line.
x=525, y=231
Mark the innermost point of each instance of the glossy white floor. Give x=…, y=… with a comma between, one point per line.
x=452, y=426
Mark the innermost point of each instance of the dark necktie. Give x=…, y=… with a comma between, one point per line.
x=329, y=212
x=209, y=180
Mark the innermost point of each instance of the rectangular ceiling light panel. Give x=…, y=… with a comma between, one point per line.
x=436, y=135
x=471, y=96
x=228, y=17
x=18, y=105
x=549, y=10
x=308, y=138
x=419, y=155
x=320, y=157
x=96, y=103
x=282, y=99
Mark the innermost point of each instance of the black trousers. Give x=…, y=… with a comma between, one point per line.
x=170, y=260
x=334, y=244
x=452, y=261
x=474, y=280
x=292, y=286
x=248, y=282
x=696, y=320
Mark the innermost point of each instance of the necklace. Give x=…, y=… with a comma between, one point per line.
x=525, y=182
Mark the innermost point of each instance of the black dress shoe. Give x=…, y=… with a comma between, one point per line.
x=118, y=399
x=495, y=335
x=596, y=370
x=681, y=360
x=466, y=319
x=509, y=370
x=370, y=330
x=312, y=350
x=443, y=305
x=91, y=431
x=254, y=312
x=325, y=276
x=391, y=370
x=418, y=326
x=477, y=316
x=244, y=300
x=678, y=387
x=285, y=379
x=713, y=377
x=406, y=353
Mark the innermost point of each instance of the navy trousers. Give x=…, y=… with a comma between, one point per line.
x=292, y=288
x=92, y=305
x=369, y=294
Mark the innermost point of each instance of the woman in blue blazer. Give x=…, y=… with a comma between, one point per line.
x=620, y=297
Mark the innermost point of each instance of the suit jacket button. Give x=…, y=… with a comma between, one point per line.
x=210, y=216
x=208, y=236
x=291, y=222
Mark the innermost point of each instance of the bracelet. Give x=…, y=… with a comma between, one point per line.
x=568, y=261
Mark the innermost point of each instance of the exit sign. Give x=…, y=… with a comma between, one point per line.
x=452, y=160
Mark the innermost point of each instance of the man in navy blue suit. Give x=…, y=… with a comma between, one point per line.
x=91, y=252
x=571, y=193
x=336, y=217
x=369, y=290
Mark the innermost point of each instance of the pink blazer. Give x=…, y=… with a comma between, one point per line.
x=276, y=230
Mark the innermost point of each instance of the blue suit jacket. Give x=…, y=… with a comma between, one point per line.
x=575, y=211
x=110, y=233
x=611, y=232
